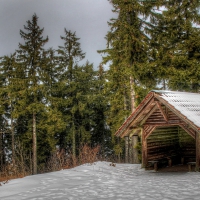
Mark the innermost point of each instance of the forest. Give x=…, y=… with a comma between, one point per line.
x=52, y=108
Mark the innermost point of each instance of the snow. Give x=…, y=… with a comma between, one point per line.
x=102, y=181
x=188, y=104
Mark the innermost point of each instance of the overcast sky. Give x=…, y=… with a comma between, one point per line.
x=87, y=17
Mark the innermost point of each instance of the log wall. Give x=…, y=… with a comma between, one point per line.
x=187, y=146
x=170, y=142
x=162, y=143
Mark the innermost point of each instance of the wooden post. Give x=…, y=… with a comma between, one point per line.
x=169, y=162
x=144, y=150
x=126, y=149
x=189, y=168
x=182, y=160
x=155, y=166
x=197, y=138
x=135, y=159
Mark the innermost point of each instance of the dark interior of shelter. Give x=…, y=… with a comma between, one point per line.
x=170, y=146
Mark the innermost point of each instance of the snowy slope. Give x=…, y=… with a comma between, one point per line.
x=102, y=181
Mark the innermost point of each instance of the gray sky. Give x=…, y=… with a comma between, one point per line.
x=87, y=17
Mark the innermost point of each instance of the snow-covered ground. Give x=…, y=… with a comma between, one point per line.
x=102, y=181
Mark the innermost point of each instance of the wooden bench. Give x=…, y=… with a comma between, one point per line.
x=190, y=164
x=187, y=158
x=154, y=163
x=169, y=160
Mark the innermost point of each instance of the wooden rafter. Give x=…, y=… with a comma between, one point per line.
x=145, y=111
x=148, y=130
x=188, y=129
x=131, y=118
x=162, y=111
x=147, y=116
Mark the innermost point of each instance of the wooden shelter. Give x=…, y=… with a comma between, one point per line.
x=167, y=124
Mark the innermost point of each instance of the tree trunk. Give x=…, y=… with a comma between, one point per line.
x=1, y=149
x=30, y=163
x=125, y=102
x=132, y=94
x=74, y=144
x=13, y=141
x=34, y=145
x=164, y=84
x=126, y=149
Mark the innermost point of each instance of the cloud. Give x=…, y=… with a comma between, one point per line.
x=88, y=18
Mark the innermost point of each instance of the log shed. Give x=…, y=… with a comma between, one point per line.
x=168, y=125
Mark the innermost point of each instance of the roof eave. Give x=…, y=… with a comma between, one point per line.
x=122, y=130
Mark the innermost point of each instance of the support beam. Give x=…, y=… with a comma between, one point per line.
x=190, y=131
x=197, y=137
x=135, y=159
x=162, y=111
x=144, y=150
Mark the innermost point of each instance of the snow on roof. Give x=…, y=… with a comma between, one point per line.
x=187, y=103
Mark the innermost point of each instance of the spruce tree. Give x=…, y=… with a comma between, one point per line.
x=100, y=132
x=7, y=101
x=129, y=76
x=68, y=57
x=30, y=56
x=175, y=45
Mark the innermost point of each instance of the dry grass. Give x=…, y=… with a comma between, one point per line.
x=8, y=172
x=58, y=160
x=65, y=160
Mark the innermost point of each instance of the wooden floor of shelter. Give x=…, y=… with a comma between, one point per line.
x=174, y=168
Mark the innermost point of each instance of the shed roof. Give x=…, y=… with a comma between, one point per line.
x=185, y=103
x=188, y=104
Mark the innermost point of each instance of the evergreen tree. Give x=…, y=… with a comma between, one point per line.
x=175, y=45
x=31, y=59
x=7, y=101
x=130, y=76
x=68, y=56
x=100, y=132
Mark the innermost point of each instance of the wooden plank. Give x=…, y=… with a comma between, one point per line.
x=160, y=123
